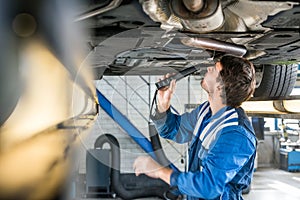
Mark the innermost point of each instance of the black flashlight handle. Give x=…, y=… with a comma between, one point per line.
x=181, y=74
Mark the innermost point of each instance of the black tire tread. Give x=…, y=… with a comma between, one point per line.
x=278, y=80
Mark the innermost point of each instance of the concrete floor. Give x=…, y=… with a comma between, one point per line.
x=268, y=184
x=274, y=184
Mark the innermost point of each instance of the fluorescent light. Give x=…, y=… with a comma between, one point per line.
x=259, y=106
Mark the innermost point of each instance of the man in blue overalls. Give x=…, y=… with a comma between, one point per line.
x=222, y=142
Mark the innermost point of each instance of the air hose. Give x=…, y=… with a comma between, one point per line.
x=129, y=186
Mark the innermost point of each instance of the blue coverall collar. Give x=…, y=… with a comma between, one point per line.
x=220, y=112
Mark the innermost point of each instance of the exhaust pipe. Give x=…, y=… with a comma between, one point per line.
x=193, y=5
x=215, y=45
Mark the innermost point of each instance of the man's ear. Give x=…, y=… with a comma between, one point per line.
x=219, y=66
x=219, y=87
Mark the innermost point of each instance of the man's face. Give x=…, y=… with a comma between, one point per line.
x=209, y=83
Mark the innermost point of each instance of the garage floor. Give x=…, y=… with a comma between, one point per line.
x=268, y=183
x=274, y=184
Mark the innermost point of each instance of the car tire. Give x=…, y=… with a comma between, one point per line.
x=277, y=80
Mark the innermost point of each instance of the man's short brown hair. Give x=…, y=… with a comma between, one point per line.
x=238, y=77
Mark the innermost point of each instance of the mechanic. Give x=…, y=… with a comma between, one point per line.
x=222, y=144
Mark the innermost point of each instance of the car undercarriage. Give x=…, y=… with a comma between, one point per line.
x=154, y=37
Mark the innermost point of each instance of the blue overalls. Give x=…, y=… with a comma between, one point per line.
x=222, y=150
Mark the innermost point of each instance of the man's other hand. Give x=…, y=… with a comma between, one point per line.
x=146, y=165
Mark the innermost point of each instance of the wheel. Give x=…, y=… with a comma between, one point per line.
x=276, y=80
